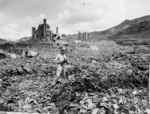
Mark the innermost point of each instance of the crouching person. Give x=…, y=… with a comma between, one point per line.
x=61, y=61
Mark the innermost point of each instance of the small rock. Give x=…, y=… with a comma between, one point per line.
x=105, y=99
x=82, y=110
x=95, y=111
x=90, y=104
x=115, y=106
x=147, y=111
x=134, y=92
x=96, y=100
x=11, y=55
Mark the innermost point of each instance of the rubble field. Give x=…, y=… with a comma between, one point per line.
x=118, y=85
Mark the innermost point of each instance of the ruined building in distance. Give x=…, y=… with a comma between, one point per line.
x=83, y=36
x=43, y=32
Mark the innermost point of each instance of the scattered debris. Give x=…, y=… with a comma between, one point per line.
x=31, y=53
x=103, y=88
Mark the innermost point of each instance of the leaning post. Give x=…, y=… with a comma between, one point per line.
x=149, y=84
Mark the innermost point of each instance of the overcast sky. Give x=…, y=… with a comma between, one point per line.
x=18, y=16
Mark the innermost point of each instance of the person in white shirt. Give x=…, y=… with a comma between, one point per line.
x=61, y=61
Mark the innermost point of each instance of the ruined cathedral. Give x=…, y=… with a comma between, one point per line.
x=43, y=32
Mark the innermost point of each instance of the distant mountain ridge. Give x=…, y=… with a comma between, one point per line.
x=135, y=29
x=138, y=28
x=24, y=39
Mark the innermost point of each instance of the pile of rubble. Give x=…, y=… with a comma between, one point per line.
x=99, y=89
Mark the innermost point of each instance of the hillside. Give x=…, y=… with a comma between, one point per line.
x=24, y=39
x=2, y=40
x=138, y=28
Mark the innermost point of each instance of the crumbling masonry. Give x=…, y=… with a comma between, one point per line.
x=43, y=32
x=83, y=36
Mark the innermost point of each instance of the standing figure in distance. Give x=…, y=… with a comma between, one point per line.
x=61, y=61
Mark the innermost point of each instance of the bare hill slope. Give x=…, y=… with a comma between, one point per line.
x=138, y=29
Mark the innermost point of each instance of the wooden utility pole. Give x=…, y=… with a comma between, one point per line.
x=149, y=85
x=56, y=30
x=79, y=35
